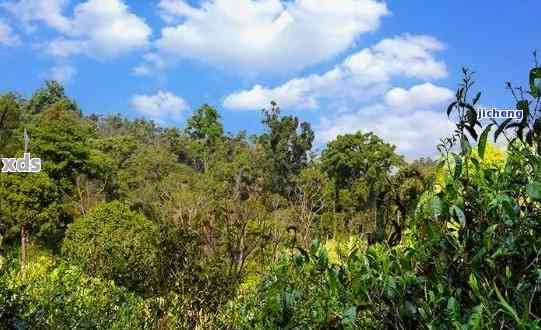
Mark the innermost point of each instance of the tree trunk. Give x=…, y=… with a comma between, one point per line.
x=24, y=243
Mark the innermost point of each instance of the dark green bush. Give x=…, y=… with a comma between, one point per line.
x=115, y=243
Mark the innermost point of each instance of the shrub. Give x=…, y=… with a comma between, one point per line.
x=54, y=295
x=115, y=243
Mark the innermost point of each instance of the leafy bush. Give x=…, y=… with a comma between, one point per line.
x=53, y=295
x=366, y=289
x=115, y=243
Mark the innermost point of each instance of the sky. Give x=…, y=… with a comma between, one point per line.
x=389, y=67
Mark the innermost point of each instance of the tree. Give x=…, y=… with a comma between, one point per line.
x=402, y=195
x=10, y=117
x=29, y=206
x=116, y=243
x=285, y=148
x=144, y=177
x=206, y=131
x=205, y=125
x=362, y=162
x=310, y=199
x=61, y=139
x=52, y=93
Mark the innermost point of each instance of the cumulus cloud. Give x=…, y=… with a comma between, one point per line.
x=265, y=35
x=160, y=106
x=33, y=11
x=415, y=133
x=7, y=36
x=407, y=55
x=99, y=28
x=358, y=77
x=424, y=96
x=62, y=73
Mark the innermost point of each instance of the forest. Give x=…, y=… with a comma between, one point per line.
x=130, y=225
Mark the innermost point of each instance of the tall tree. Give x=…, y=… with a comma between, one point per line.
x=30, y=208
x=10, y=117
x=205, y=125
x=365, y=162
x=52, y=93
x=207, y=131
x=286, y=144
x=61, y=138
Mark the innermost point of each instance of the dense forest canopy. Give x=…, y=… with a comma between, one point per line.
x=131, y=225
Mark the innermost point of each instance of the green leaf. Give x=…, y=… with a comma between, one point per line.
x=459, y=214
x=349, y=316
x=471, y=130
x=506, y=307
x=501, y=128
x=437, y=206
x=453, y=309
x=465, y=145
x=314, y=247
x=535, y=82
x=460, y=93
x=523, y=105
x=481, y=146
x=333, y=279
x=471, y=114
x=458, y=166
x=451, y=107
x=534, y=191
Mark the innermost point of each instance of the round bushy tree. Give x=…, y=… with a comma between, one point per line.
x=116, y=243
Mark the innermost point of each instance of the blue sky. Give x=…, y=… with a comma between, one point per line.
x=344, y=65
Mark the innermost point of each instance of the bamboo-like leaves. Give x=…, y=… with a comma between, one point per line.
x=501, y=128
x=481, y=145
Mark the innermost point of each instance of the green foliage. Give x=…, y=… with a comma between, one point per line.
x=469, y=258
x=30, y=200
x=218, y=231
x=369, y=289
x=285, y=148
x=52, y=93
x=205, y=125
x=53, y=295
x=10, y=117
x=60, y=138
x=115, y=243
x=358, y=156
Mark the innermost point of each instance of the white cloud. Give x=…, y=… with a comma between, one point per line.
x=424, y=96
x=153, y=63
x=415, y=134
x=31, y=11
x=63, y=47
x=7, y=36
x=296, y=93
x=163, y=105
x=99, y=28
x=360, y=76
x=407, y=55
x=62, y=73
x=266, y=35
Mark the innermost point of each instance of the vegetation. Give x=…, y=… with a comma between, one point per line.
x=131, y=225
